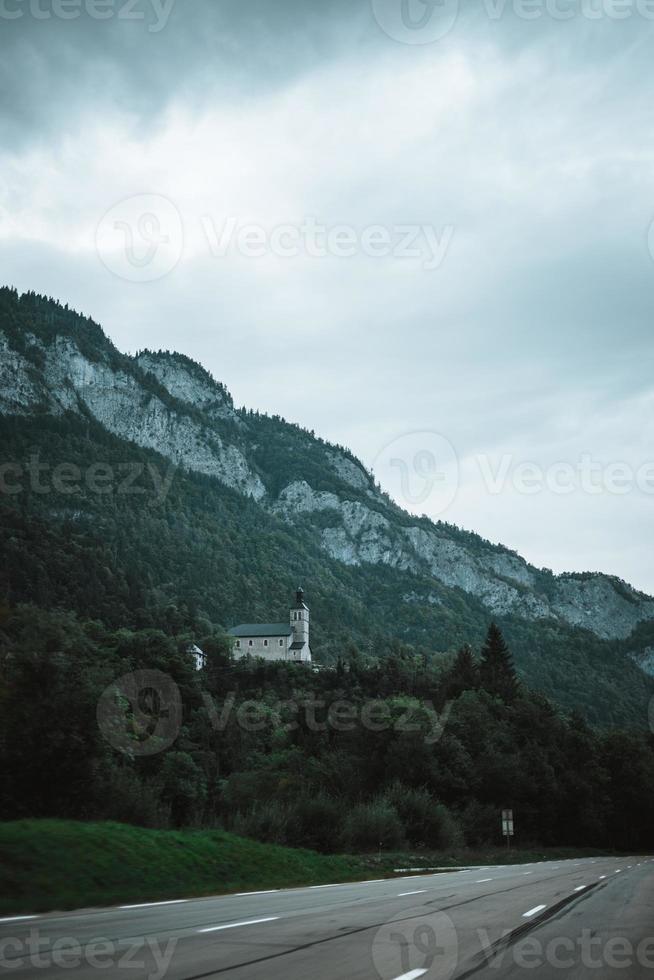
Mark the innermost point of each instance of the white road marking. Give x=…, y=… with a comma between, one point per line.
x=412, y=976
x=580, y=888
x=18, y=918
x=482, y=880
x=271, y=891
x=602, y=876
x=323, y=886
x=235, y=925
x=526, y=872
x=538, y=908
x=151, y=905
x=419, y=892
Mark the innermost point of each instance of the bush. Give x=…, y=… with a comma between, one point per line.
x=371, y=825
x=427, y=823
x=319, y=821
x=481, y=824
x=272, y=822
x=126, y=798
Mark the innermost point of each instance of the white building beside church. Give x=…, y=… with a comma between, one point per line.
x=276, y=641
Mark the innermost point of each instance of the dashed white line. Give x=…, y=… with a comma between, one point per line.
x=421, y=891
x=580, y=888
x=412, y=976
x=602, y=876
x=235, y=925
x=151, y=905
x=538, y=908
x=481, y=881
x=18, y=918
x=270, y=891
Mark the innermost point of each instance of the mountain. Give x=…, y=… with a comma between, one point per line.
x=206, y=513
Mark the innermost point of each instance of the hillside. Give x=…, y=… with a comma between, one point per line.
x=206, y=514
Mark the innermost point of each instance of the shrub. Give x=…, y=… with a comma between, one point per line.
x=427, y=823
x=371, y=825
x=273, y=822
x=481, y=824
x=319, y=820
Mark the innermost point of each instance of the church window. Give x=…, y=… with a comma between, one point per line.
x=265, y=643
x=281, y=643
x=249, y=643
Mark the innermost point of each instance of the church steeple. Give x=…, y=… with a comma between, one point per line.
x=300, y=627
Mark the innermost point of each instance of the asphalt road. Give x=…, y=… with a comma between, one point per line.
x=573, y=919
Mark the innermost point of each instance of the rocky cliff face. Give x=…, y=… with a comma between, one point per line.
x=170, y=404
x=121, y=400
x=504, y=582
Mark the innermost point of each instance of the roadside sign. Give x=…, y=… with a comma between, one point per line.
x=507, y=824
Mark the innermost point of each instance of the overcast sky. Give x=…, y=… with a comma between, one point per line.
x=423, y=232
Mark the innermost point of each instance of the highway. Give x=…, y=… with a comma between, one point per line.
x=573, y=919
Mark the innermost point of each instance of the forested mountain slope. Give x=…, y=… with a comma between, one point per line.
x=178, y=511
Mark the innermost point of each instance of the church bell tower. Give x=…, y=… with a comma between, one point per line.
x=300, y=625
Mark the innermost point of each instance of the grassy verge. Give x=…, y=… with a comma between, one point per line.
x=50, y=865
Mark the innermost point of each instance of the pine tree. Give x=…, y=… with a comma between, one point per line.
x=464, y=673
x=496, y=669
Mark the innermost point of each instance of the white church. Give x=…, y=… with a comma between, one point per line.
x=276, y=641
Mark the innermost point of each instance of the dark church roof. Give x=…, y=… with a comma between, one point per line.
x=299, y=599
x=261, y=629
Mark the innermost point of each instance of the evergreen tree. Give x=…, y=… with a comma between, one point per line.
x=496, y=670
x=464, y=673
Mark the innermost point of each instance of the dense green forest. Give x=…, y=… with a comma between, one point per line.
x=114, y=561
x=402, y=751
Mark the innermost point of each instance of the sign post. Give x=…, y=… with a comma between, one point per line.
x=507, y=825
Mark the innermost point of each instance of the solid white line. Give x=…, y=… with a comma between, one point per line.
x=482, y=880
x=528, y=915
x=420, y=892
x=18, y=918
x=148, y=905
x=412, y=976
x=235, y=925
